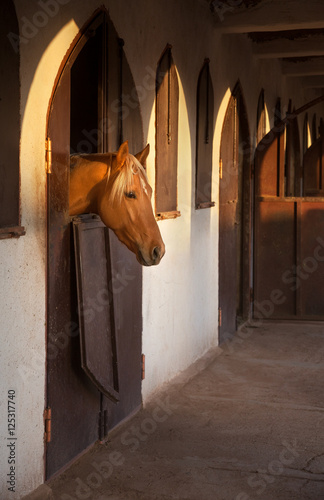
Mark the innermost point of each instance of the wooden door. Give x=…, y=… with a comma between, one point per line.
x=288, y=256
x=234, y=217
x=80, y=412
x=69, y=392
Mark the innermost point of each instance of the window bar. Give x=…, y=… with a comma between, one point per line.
x=236, y=140
x=121, y=44
x=321, y=168
x=102, y=129
x=169, y=95
x=207, y=103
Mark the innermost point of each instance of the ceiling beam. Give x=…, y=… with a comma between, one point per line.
x=274, y=15
x=313, y=82
x=282, y=47
x=309, y=67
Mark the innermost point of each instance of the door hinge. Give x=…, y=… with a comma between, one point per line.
x=48, y=155
x=220, y=168
x=143, y=366
x=48, y=424
x=220, y=316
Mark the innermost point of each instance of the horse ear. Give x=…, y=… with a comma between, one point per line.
x=142, y=155
x=122, y=154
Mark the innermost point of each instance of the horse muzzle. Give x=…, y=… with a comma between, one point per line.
x=153, y=258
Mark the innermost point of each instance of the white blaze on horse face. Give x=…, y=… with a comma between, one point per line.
x=145, y=186
x=143, y=234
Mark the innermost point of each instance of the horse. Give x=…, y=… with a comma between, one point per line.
x=115, y=187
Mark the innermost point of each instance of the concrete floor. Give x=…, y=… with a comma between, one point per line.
x=244, y=423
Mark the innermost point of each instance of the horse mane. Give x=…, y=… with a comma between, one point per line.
x=124, y=179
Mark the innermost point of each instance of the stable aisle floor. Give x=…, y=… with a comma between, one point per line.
x=243, y=423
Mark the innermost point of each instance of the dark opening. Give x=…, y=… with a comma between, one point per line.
x=9, y=122
x=85, y=96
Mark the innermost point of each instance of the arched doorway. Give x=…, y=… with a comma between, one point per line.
x=234, y=217
x=87, y=115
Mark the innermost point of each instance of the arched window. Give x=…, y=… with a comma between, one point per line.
x=9, y=123
x=167, y=111
x=204, y=138
x=261, y=118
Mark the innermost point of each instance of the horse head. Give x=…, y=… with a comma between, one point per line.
x=125, y=206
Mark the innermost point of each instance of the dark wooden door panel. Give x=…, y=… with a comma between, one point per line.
x=311, y=278
x=70, y=395
x=228, y=199
x=228, y=270
x=95, y=301
x=274, y=260
x=234, y=217
x=127, y=290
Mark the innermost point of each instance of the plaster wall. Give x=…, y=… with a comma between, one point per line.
x=180, y=296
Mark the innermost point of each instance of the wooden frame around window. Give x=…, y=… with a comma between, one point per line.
x=204, y=138
x=167, y=113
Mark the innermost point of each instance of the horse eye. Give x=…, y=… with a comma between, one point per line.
x=130, y=194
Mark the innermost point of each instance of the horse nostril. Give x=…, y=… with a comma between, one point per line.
x=156, y=253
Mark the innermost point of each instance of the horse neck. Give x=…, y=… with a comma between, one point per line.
x=86, y=182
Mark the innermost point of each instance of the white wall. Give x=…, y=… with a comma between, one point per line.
x=180, y=296
x=23, y=262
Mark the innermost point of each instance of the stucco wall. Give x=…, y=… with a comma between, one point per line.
x=180, y=296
